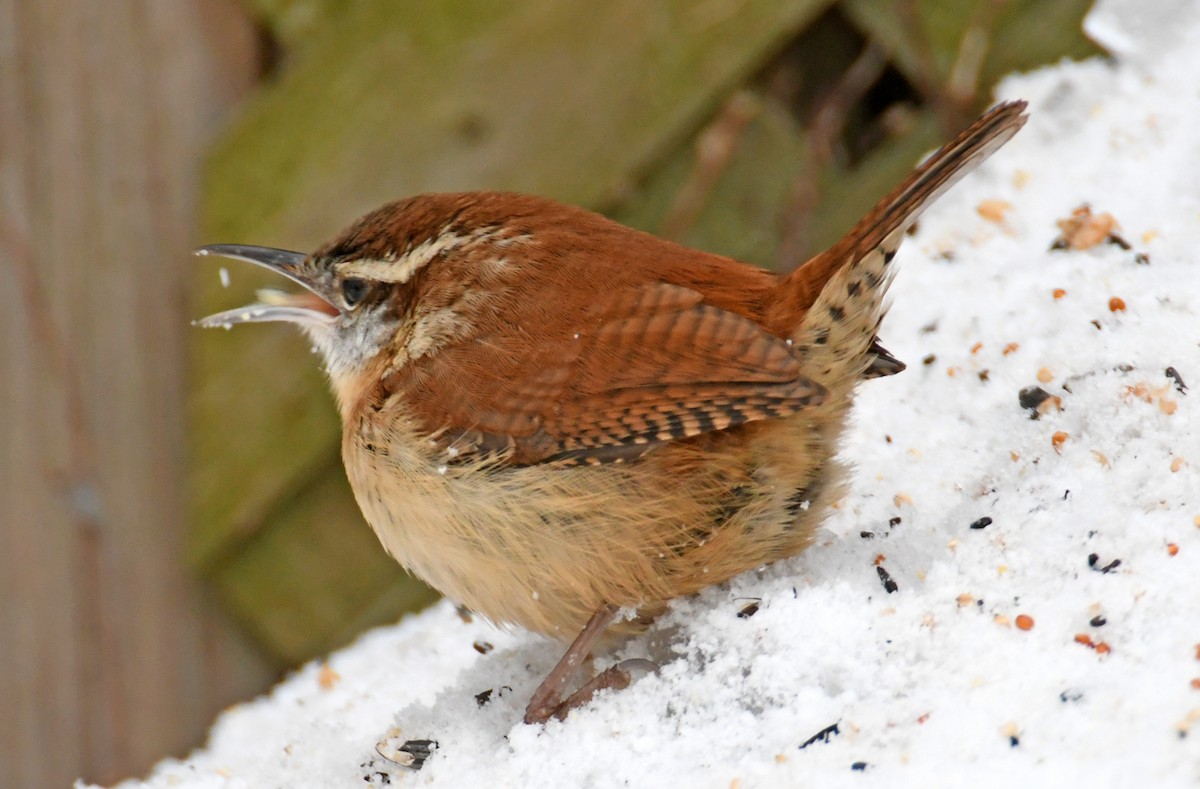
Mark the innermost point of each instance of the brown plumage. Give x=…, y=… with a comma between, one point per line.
x=549, y=415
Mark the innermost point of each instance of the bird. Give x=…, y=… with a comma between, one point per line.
x=563, y=423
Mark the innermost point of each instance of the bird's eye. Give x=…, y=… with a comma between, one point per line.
x=353, y=291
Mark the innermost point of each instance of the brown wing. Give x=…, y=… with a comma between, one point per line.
x=642, y=366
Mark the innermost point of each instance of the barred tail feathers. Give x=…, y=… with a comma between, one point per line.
x=833, y=304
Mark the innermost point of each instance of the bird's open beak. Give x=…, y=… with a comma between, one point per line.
x=306, y=307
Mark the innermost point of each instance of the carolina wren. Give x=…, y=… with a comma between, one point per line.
x=549, y=416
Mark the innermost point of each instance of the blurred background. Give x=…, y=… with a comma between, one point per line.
x=175, y=527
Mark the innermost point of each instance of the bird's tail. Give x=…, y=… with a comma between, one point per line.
x=833, y=304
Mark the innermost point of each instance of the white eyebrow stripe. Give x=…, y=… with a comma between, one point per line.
x=402, y=268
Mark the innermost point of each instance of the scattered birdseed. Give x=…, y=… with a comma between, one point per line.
x=1084, y=230
x=327, y=677
x=1024, y=622
x=1098, y=621
x=822, y=736
x=1116, y=304
x=993, y=210
x=412, y=753
x=1174, y=375
x=982, y=523
x=1094, y=559
x=1058, y=439
x=749, y=610
x=483, y=647
x=1031, y=399
x=885, y=578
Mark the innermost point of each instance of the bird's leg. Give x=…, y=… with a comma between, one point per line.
x=547, y=701
x=616, y=677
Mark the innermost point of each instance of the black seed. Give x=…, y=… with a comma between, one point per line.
x=1031, y=397
x=894, y=521
x=482, y=647
x=484, y=697
x=930, y=359
x=1013, y=742
x=1070, y=695
x=867, y=535
x=982, y=523
x=885, y=578
x=1096, y=323
x=1066, y=494
x=1174, y=375
x=859, y=766
x=1118, y=241
x=1098, y=621
x=420, y=750
x=1094, y=559
x=822, y=736
x=1142, y=259
x=748, y=611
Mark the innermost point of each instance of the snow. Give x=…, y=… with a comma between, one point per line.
x=934, y=684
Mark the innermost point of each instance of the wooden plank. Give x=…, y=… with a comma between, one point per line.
x=292, y=22
x=739, y=201
x=1004, y=37
x=566, y=99
x=106, y=645
x=847, y=193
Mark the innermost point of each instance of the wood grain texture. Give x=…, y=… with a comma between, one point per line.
x=112, y=657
